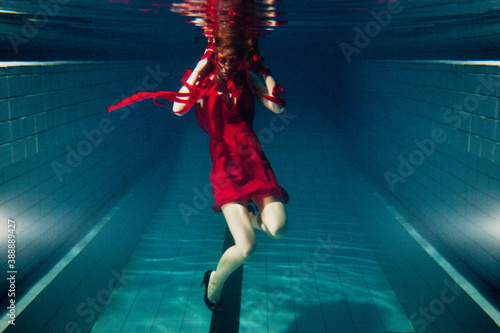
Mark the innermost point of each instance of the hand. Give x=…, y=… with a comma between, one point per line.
x=205, y=59
x=201, y=64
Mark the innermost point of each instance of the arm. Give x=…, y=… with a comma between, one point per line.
x=266, y=89
x=177, y=107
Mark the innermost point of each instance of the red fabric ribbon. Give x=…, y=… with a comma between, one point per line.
x=204, y=86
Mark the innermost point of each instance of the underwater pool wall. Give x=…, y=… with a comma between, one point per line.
x=63, y=160
x=429, y=133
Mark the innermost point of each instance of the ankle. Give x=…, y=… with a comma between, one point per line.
x=213, y=288
x=212, y=280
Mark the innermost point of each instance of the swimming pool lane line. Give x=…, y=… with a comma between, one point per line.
x=228, y=320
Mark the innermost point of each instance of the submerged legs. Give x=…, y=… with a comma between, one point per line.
x=271, y=220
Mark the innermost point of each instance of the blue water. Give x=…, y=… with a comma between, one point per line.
x=346, y=265
x=350, y=261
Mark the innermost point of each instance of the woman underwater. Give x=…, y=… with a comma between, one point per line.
x=240, y=170
x=222, y=88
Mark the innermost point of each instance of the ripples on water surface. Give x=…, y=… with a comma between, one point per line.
x=148, y=29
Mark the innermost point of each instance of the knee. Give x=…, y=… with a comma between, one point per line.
x=247, y=249
x=273, y=216
x=276, y=226
x=278, y=231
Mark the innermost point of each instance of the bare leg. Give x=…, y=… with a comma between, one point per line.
x=272, y=217
x=271, y=220
x=239, y=224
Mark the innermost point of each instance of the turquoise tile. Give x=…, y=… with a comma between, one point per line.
x=305, y=326
x=195, y=326
x=171, y=309
x=346, y=265
x=166, y=326
x=110, y=322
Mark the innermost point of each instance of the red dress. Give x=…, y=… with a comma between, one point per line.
x=240, y=170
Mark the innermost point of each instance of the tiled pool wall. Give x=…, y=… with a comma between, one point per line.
x=429, y=133
x=63, y=157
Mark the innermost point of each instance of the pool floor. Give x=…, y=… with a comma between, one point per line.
x=347, y=264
